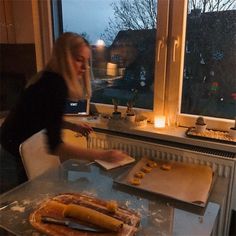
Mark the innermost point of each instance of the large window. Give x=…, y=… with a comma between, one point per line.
x=122, y=35
x=176, y=57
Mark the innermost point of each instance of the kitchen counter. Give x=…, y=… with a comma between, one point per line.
x=159, y=215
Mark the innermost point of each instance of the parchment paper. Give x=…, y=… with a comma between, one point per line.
x=190, y=183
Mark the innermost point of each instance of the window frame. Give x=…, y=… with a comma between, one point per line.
x=168, y=80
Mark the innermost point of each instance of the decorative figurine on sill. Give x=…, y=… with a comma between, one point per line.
x=200, y=125
x=232, y=131
x=116, y=115
x=130, y=114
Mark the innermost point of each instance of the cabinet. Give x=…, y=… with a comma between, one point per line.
x=18, y=60
x=16, y=22
x=6, y=22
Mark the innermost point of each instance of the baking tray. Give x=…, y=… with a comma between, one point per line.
x=222, y=137
x=189, y=183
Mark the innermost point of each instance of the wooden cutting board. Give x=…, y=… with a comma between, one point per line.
x=190, y=183
x=130, y=218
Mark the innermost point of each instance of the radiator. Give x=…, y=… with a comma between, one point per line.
x=221, y=163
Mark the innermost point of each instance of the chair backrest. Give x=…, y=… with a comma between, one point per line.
x=35, y=156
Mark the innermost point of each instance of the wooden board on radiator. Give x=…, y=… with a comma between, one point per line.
x=190, y=183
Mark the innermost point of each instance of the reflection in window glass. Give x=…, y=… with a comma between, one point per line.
x=122, y=35
x=209, y=85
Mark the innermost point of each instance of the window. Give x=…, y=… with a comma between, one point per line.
x=180, y=61
x=209, y=81
x=123, y=47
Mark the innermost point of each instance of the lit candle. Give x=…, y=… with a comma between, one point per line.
x=160, y=122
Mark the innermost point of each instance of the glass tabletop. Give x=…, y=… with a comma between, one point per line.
x=159, y=215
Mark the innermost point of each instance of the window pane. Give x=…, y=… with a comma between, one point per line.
x=209, y=85
x=122, y=35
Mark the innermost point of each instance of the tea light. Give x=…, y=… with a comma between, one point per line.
x=160, y=122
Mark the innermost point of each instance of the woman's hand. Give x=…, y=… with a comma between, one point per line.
x=113, y=156
x=83, y=129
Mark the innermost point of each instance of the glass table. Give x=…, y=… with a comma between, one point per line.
x=159, y=215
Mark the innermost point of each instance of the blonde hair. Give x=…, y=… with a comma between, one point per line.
x=61, y=60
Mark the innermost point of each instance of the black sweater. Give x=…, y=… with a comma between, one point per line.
x=41, y=106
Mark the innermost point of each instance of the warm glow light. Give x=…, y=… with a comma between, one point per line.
x=111, y=69
x=100, y=43
x=160, y=122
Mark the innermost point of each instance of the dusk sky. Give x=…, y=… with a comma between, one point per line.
x=90, y=16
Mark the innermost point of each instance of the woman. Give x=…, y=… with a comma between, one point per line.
x=41, y=106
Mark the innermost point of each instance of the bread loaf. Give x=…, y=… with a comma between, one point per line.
x=94, y=217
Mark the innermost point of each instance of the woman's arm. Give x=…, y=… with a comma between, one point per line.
x=68, y=151
x=82, y=127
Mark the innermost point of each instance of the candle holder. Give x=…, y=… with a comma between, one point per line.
x=160, y=122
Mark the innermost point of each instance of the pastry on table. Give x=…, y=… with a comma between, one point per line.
x=166, y=166
x=151, y=163
x=139, y=174
x=146, y=169
x=112, y=206
x=135, y=181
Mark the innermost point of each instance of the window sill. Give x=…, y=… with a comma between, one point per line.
x=168, y=134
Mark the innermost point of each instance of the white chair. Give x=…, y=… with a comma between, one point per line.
x=35, y=157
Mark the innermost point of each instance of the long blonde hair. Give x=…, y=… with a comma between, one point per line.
x=61, y=60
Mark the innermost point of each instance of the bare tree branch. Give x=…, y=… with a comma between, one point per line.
x=131, y=14
x=212, y=5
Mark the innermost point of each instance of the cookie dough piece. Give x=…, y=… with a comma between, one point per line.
x=151, y=164
x=112, y=206
x=135, y=181
x=166, y=166
x=139, y=174
x=146, y=169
